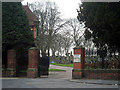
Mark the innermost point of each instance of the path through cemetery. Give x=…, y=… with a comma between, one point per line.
x=67, y=74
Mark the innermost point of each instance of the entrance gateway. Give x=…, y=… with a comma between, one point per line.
x=32, y=72
x=78, y=66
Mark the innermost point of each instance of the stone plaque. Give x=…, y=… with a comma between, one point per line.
x=77, y=58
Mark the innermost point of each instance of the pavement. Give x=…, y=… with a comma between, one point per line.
x=59, y=79
x=99, y=81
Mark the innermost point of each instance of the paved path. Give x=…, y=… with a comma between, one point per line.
x=61, y=74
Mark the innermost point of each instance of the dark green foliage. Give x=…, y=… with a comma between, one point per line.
x=16, y=33
x=103, y=19
x=87, y=34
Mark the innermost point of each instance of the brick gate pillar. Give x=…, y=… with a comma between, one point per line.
x=11, y=63
x=32, y=63
x=78, y=62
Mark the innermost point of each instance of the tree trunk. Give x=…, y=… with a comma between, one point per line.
x=48, y=52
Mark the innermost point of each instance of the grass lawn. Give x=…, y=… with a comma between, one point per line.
x=56, y=70
x=66, y=65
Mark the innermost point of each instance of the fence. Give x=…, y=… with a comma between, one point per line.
x=107, y=64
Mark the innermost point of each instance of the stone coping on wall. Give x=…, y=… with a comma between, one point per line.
x=78, y=47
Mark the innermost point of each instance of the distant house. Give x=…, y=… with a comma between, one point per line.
x=33, y=20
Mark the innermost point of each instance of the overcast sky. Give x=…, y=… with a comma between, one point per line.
x=66, y=7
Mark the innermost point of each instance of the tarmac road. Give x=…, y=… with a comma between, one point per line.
x=48, y=83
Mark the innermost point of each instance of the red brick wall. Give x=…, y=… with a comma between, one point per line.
x=77, y=51
x=33, y=57
x=76, y=75
x=32, y=63
x=78, y=65
x=109, y=76
x=11, y=66
x=11, y=59
x=102, y=75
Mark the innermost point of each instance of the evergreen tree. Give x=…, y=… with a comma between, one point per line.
x=102, y=21
x=16, y=33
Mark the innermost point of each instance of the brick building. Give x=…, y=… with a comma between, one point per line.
x=33, y=20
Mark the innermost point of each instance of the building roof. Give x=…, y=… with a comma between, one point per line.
x=30, y=14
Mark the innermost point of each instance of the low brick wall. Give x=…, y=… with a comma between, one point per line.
x=8, y=73
x=102, y=74
x=97, y=74
x=4, y=73
x=76, y=74
x=32, y=73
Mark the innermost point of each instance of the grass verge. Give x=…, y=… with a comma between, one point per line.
x=66, y=65
x=56, y=70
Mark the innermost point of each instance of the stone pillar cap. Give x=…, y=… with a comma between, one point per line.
x=78, y=47
x=33, y=48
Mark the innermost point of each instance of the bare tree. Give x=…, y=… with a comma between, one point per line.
x=57, y=44
x=50, y=24
x=61, y=44
x=76, y=30
x=67, y=42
